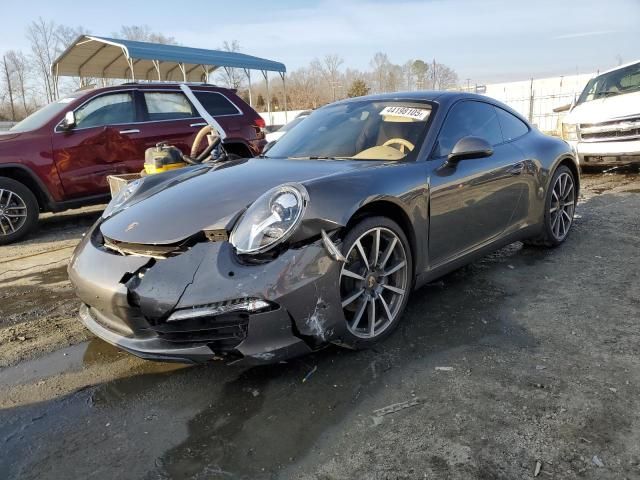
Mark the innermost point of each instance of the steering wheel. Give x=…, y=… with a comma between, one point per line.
x=399, y=141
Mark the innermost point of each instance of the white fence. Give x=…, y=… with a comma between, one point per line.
x=279, y=118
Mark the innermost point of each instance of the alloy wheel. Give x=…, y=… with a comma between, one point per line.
x=563, y=204
x=13, y=212
x=373, y=282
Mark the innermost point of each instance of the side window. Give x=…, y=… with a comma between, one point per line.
x=512, y=127
x=110, y=109
x=167, y=106
x=468, y=118
x=216, y=104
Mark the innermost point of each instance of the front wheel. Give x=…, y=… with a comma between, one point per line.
x=560, y=205
x=375, y=280
x=18, y=210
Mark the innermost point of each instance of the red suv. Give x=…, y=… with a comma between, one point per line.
x=46, y=164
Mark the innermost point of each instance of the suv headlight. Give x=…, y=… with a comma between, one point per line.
x=569, y=131
x=271, y=219
x=117, y=203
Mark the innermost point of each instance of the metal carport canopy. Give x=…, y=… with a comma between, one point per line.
x=103, y=57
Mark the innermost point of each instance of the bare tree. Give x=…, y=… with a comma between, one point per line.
x=331, y=71
x=407, y=71
x=8, y=74
x=143, y=33
x=19, y=65
x=442, y=76
x=232, y=77
x=380, y=64
x=44, y=48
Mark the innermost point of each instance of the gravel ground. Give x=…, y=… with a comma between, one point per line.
x=527, y=359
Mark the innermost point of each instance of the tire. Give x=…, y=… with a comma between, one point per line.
x=19, y=210
x=364, y=283
x=556, y=226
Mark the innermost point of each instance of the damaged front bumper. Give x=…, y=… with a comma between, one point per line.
x=153, y=308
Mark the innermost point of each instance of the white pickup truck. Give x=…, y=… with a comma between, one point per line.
x=603, y=126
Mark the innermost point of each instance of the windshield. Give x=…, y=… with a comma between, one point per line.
x=366, y=130
x=624, y=80
x=38, y=118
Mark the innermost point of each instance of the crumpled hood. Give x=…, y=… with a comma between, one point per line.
x=212, y=199
x=603, y=109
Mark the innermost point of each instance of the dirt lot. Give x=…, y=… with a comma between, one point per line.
x=525, y=356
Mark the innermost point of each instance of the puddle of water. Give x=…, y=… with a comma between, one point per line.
x=66, y=360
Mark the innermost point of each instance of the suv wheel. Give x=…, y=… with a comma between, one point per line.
x=18, y=210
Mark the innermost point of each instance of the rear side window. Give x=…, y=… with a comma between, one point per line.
x=216, y=103
x=512, y=127
x=110, y=109
x=167, y=106
x=468, y=119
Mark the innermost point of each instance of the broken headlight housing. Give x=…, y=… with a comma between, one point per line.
x=118, y=202
x=270, y=220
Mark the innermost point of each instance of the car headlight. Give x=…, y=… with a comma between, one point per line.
x=569, y=131
x=117, y=203
x=271, y=219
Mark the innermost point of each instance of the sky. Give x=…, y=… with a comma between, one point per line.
x=482, y=40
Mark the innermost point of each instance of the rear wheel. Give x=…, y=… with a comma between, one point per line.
x=18, y=210
x=375, y=280
x=560, y=205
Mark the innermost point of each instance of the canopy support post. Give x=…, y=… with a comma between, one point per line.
x=266, y=79
x=184, y=72
x=284, y=88
x=156, y=64
x=247, y=72
x=130, y=63
x=205, y=74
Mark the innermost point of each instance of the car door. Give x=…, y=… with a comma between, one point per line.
x=105, y=140
x=169, y=118
x=471, y=201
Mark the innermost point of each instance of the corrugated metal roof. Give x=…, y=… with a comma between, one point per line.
x=104, y=57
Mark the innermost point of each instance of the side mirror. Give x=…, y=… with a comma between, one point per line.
x=69, y=120
x=470, y=147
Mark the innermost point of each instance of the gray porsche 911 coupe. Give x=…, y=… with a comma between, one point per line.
x=322, y=239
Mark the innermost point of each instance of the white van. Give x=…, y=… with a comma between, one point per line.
x=603, y=126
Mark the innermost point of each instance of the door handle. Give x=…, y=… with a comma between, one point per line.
x=199, y=124
x=517, y=169
x=134, y=130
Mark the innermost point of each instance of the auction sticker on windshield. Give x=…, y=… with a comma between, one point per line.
x=418, y=114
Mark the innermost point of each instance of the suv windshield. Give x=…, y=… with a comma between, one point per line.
x=38, y=118
x=365, y=130
x=617, y=82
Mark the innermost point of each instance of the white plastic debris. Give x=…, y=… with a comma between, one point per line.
x=536, y=472
x=597, y=462
x=445, y=369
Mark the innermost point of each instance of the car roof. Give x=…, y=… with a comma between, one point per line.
x=424, y=95
x=148, y=86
